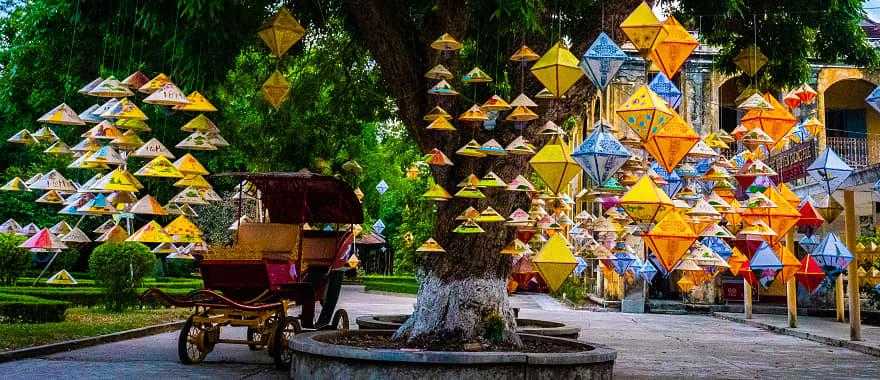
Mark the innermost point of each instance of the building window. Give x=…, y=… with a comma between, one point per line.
x=846, y=123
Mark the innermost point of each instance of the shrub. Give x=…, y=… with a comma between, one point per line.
x=120, y=269
x=14, y=261
x=16, y=308
x=80, y=296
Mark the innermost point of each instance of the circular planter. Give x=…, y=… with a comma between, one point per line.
x=524, y=325
x=313, y=359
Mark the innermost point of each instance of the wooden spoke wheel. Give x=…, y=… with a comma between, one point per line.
x=195, y=342
x=261, y=335
x=340, y=320
x=285, y=330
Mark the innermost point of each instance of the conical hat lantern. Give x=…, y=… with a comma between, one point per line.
x=439, y=72
x=89, y=86
x=114, y=234
x=554, y=261
x=281, y=32
x=61, y=115
x=780, y=218
x=187, y=164
x=110, y=88
x=643, y=29
x=645, y=202
x=670, y=239
x=150, y=233
x=124, y=109
x=553, y=163
x=15, y=184
x=670, y=53
x=777, y=122
x=645, y=112
x=76, y=236
x=672, y=143
x=152, y=149
x=183, y=230
x=135, y=80
x=43, y=241
x=197, y=103
x=62, y=277
x=430, y=246
x=276, y=89
x=167, y=95
x=154, y=84
x=159, y=167
x=557, y=70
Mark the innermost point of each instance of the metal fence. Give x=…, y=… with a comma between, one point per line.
x=856, y=152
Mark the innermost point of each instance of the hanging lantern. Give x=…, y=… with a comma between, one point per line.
x=557, y=70
x=672, y=143
x=829, y=170
x=670, y=52
x=276, y=89
x=602, y=61
x=554, y=165
x=643, y=29
x=750, y=60
x=281, y=32
x=645, y=112
x=601, y=154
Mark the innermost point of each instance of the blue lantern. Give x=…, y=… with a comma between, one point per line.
x=832, y=254
x=602, y=61
x=601, y=154
x=664, y=87
x=829, y=170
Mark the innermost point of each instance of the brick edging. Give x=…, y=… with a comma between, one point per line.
x=76, y=344
x=835, y=342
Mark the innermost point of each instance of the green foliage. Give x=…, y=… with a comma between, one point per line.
x=574, y=289
x=791, y=33
x=66, y=259
x=13, y=260
x=119, y=269
x=493, y=325
x=84, y=296
x=393, y=284
x=15, y=308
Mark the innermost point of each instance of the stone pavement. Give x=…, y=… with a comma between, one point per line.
x=822, y=330
x=649, y=345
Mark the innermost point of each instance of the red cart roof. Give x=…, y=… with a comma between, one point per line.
x=305, y=197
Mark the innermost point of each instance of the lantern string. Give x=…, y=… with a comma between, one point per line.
x=76, y=15
x=133, y=32
x=173, y=68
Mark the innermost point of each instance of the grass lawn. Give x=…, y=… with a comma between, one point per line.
x=84, y=322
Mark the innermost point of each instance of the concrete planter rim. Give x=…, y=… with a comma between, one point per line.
x=305, y=343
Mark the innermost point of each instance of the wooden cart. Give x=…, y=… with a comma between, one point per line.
x=272, y=268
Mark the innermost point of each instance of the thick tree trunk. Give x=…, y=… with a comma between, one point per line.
x=465, y=288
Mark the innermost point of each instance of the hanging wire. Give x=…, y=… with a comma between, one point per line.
x=70, y=50
x=134, y=14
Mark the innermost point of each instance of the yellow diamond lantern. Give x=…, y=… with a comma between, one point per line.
x=554, y=165
x=276, y=89
x=673, y=50
x=554, y=262
x=645, y=202
x=645, y=112
x=643, y=29
x=557, y=70
x=750, y=60
x=672, y=143
x=670, y=239
x=281, y=32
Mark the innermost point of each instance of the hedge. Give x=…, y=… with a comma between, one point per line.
x=17, y=308
x=80, y=296
x=393, y=287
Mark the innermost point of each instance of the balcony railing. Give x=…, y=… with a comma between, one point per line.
x=857, y=152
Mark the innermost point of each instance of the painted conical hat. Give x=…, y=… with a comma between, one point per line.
x=217, y=140
x=159, y=166
x=106, y=155
x=80, y=163
x=116, y=180
x=193, y=180
x=167, y=95
x=187, y=164
x=86, y=145
x=181, y=226
x=121, y=198
x=196, y=141
x=15, y=184
x=135, y=80
x=61, y=278
x=114, y=234
x=132, y=125
x=151, y=232
x=104, y=227
x=198, y=103
x=436, y=112
x=165, y=248
x=128, y=141
x=152, y=149
x=522, y=100
x=29, y=230
x=147, y=205
x=53, y=180
x=200, y=123
x=51, y=197
x=495, y=103
x=189, y=195
x=99, y=205
x=45, y=134
x=430, y=246
x=154, y=84
x=88, y=116
x=59, y=148
x=103, y=131
x=76, y=235
x=10, y=226
x=210, y=195
x=23, y=137
x=110, y=88
x=104, y=107
x=60, y=228
x=439, y=72
x=125, y=109
x=43, y=240
x=89, y=86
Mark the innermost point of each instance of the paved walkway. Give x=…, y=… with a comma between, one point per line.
x=649, y=345
x=822, y=330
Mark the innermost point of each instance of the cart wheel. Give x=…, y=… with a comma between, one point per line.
x=285, y=330
x=256, y=335
x=340, y=320
x=192, y=344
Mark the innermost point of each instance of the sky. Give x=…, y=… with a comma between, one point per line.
x=872, y=7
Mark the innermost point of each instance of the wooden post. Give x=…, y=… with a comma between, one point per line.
x=747, y=299
x=855, y=317
x=838, y=299
x=791, y=287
